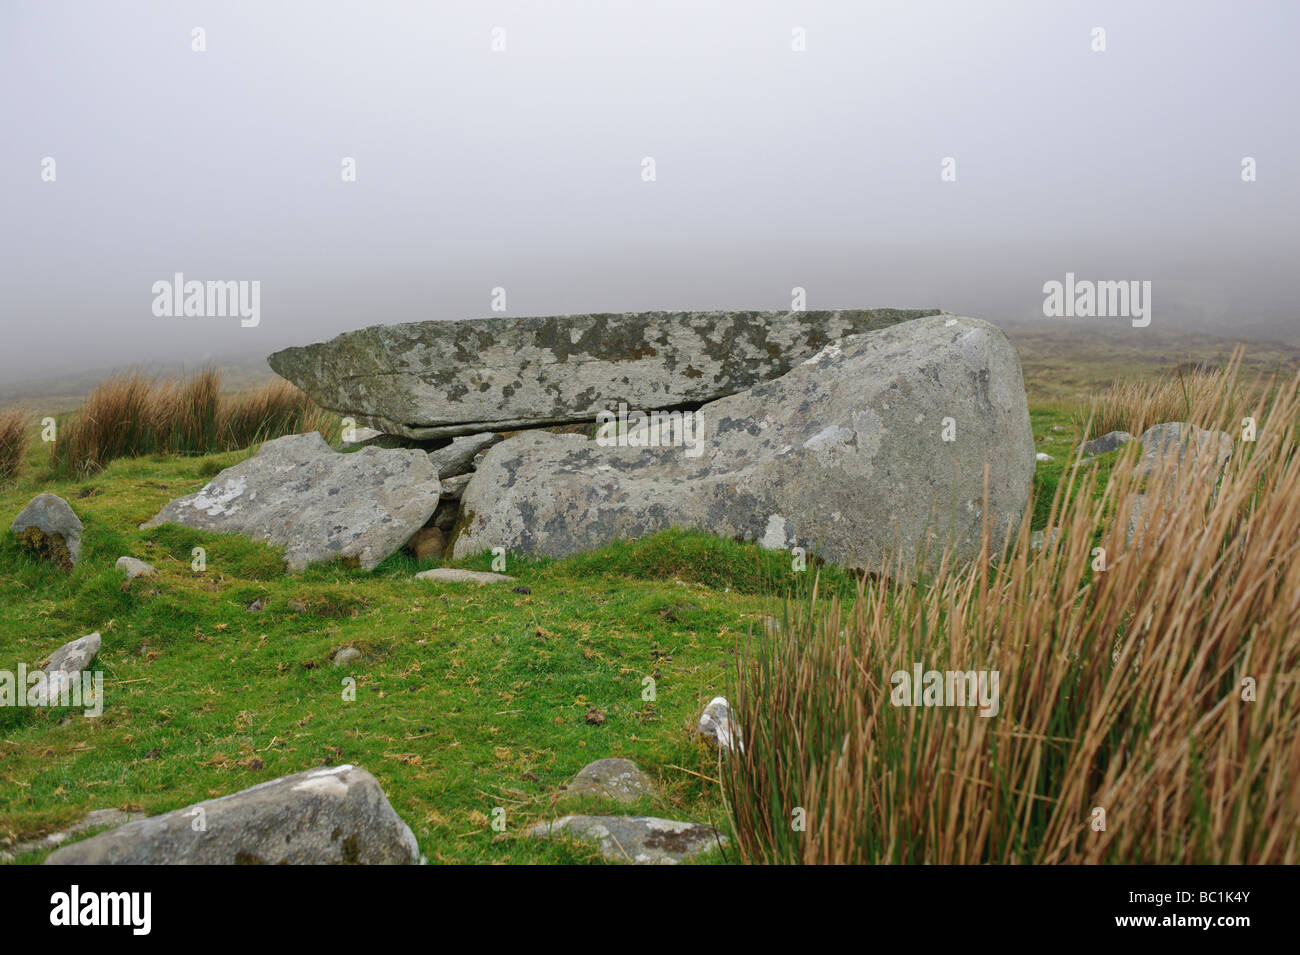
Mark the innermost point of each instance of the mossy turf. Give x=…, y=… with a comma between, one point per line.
x=469, y=700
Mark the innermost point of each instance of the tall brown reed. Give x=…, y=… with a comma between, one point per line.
x=1161, y=691
x=1190, y=393
x=14, y=439
x=132, y=415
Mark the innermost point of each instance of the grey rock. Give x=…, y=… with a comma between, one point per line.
x=65, y=665
x=844, y=455
x=95, y=819
x=454, y=575
x=1108, y=442
x=458, y=457
x=346, y=655
x=1038, y=539
x=642, y=840
x=49, y=526
x=316, y=503
x=1167, y=447
x=618, y=779
x=717, y=727
x=1043, y=457
x=132, y=568
x=330, y=815
x=453, y=488
x=437, y=379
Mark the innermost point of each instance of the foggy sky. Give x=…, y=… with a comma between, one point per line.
x=523, y=169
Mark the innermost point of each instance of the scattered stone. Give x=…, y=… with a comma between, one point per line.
x=133, y=568
x=64, y=667
x=257, y=605
x=521, y=589
x=453, y=488
x=595, y=717
x=1041, y=456
x=1058, y=427
x=346, y=655
x=642, y=840
x=618, y=779
x=427, y=542
x=457, y=458
x=95, y=819
x=330, y=815
x=297, y=606
x=846, y=452
x=772, y=627
x=1108, y=442
x=316, y=503
x=452, y=575
x=716, y=725
x=1169, y=446
x=49, y=527
x=441, y=379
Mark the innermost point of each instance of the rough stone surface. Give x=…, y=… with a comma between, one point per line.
x=316, y=503
x=433, y=379
x=716, y=725
x=618, y=779
x=844, y=455
x=458, y=457
x=643, y=840
x=453, y=488
x=133, y=568
x=1108, y=442
x=454, y=575
x=346, y=655
x=331, y=815
x=65, y=665
x=1167, y=447
x=48, y=526
x=95, y=819
x=427, y=542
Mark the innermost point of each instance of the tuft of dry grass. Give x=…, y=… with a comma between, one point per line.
x=13, y=443
x=1149, y=708
x=1191, y=393
x=131, y=415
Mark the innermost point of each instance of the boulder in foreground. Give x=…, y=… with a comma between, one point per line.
x=48, y=527
x=328, y=816
x=316, y=503
x=438, y=379
x=642, y=840
x=870, y=453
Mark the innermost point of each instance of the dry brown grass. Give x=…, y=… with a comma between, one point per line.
x=1123, y=689
x=13, y=443
x=1201, y=396
x=131, y=415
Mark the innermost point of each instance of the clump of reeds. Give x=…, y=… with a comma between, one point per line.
x=131, y=415
x=1149, y=711
x=1195, y=394
x=14, y=438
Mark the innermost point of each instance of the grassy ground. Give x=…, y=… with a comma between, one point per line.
x=468, y=698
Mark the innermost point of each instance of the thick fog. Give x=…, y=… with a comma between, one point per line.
x=950, y=154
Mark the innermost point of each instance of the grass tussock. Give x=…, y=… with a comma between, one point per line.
x=1147, y=711
x=132, y=415
x=1197, y=394
x=13, y=443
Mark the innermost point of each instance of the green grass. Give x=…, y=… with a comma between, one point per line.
x=468, y=698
